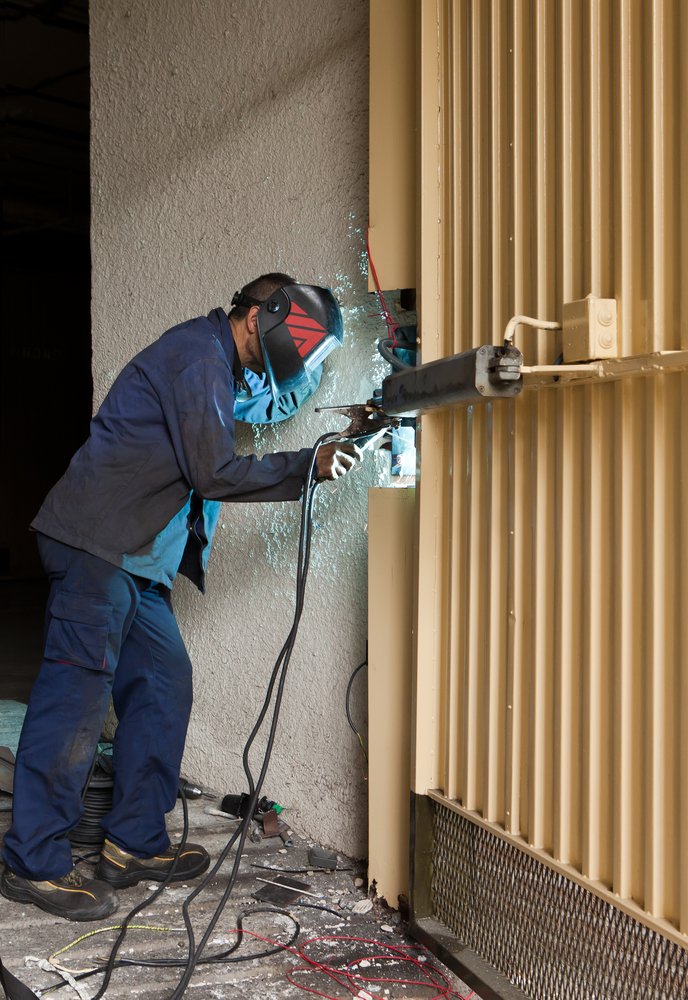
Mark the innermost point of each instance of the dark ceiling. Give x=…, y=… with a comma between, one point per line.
x=45, y=118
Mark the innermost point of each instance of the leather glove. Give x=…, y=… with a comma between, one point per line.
x=337, y=458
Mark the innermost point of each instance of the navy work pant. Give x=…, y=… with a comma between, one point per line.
x=107, y=633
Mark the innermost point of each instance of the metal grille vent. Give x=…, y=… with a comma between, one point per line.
x=545, y=933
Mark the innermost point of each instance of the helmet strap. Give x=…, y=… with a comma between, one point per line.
x=242, y=299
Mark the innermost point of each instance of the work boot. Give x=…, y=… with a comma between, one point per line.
x=72, y=896
x=120, y=869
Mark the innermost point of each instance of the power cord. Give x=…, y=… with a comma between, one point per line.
x=348, y=706
x=110, y=965
x=278, y=678
x=226, y=956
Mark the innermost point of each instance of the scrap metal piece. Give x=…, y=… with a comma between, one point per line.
x=282, y=890
x=271, y=823
x=318, y=857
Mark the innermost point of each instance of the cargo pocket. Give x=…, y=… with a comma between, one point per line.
x=78, y=631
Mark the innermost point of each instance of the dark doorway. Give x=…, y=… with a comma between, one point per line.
x=45, y=345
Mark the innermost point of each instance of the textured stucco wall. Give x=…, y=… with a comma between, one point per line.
x=230, y=138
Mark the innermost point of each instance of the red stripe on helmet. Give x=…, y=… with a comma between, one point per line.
x=304, y=322
x=306, y=334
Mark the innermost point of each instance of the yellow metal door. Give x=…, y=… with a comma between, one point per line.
x=550, y=762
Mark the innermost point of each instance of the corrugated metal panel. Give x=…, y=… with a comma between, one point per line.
x=553, y=596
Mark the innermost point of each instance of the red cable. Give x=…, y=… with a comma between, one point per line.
x=354, y=982
x=392, y=327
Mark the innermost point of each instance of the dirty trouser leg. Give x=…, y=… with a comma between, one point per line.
x=90, y=609
x=152, y=696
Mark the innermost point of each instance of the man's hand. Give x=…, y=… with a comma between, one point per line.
x=336, y=459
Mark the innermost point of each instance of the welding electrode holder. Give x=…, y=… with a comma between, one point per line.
x=367, y=420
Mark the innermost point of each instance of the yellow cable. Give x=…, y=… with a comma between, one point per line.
x=103, y=930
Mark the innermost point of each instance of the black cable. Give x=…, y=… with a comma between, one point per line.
x=347, y=705
x=279, y=671
x=225, y=957
x=318, y=906
x=110, y=964
x=385, y=349
x=300, y=871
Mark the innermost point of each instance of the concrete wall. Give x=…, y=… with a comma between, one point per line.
x=230, y=138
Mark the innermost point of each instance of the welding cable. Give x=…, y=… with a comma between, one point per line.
x=348, y=706
x=277, y=678
x=53, y=958
x=300, y=871
x=319, y=906
x=226, y=957
x=110, y=964
x=386, y=349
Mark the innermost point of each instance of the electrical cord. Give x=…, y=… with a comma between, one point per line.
x=224, y=957
x=348, y=706
x=110, y=964
x=301, y=871
x=363, y=975
x=385, y=348
x=319, y=906
x=277, y=679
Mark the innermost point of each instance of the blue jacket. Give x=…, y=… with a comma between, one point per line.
x=164, y=436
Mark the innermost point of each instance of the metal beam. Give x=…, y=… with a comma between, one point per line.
x=485, y=372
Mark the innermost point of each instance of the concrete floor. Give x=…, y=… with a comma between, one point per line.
x=26, y=930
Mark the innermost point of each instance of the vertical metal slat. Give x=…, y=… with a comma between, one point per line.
x=631, y=597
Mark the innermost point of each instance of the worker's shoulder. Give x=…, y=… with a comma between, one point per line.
x=199, y=326
x=193, y=340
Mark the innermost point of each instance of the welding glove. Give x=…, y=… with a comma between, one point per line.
x=336, y=459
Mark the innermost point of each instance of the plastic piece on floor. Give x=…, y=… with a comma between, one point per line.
x=318, y=857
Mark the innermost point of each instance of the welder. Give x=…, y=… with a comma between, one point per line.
x=138, y=504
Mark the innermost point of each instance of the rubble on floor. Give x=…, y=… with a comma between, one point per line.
x=340, y=927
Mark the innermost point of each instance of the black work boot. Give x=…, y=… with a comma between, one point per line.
x=72, y=896
x=120, y=869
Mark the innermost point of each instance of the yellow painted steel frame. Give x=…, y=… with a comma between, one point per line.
x=391, y=579
x=552, y=630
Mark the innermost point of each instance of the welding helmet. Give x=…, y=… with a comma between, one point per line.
x=298, y=326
